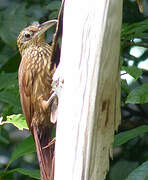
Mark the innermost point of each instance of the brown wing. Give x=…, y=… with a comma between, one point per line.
x=25, y=86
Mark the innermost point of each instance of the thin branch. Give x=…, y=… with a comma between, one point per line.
x=132, y=43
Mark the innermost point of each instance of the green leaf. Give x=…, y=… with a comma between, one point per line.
x=4, y=175
x=37, y=11
x=139, y=173
x=14, y=20
x=124, y=86
x=121, y=61
x=134, y=30
x=31, y=173
x=54, y=5
x=6, y=112
x=11, y=97
x=6, y=53
x=121, y=169
x=4, y=140
x=8, y=80
x=27, y=146
x=11, y=65
x=139, y=95
x=17, y=120
x=124, y=137
x=146, y=178
x=133, y=71
x=53, y=15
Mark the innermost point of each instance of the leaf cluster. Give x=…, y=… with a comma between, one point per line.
x=132, y=161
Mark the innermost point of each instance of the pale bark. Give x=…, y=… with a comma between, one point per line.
x=89, y=104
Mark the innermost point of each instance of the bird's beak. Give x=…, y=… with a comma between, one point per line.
x=46, y=25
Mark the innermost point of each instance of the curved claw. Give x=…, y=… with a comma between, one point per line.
x=45, y=104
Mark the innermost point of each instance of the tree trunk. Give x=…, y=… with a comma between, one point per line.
x=89, y=103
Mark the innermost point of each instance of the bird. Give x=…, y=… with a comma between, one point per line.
x=39, y=104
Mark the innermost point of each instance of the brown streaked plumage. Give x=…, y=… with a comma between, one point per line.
x=35, y=79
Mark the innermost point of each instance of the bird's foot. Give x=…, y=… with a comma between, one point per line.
x=53, y=96
x=45, y=104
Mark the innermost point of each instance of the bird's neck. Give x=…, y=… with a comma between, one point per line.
x=35, y=45
x=39, y=47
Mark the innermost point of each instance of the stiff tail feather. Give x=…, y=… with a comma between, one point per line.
x=45, y=153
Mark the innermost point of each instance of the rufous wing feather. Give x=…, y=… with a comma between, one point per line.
x=25, y=94
x=45, y=153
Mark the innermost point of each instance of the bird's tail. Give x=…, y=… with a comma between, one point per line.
x=45, y=152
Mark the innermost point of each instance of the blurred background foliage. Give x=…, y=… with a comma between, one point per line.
x=14, y=16
x=17, y=150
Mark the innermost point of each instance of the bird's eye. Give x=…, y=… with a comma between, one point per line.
x=27, y=35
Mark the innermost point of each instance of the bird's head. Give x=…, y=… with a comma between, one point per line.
x=33, y=34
